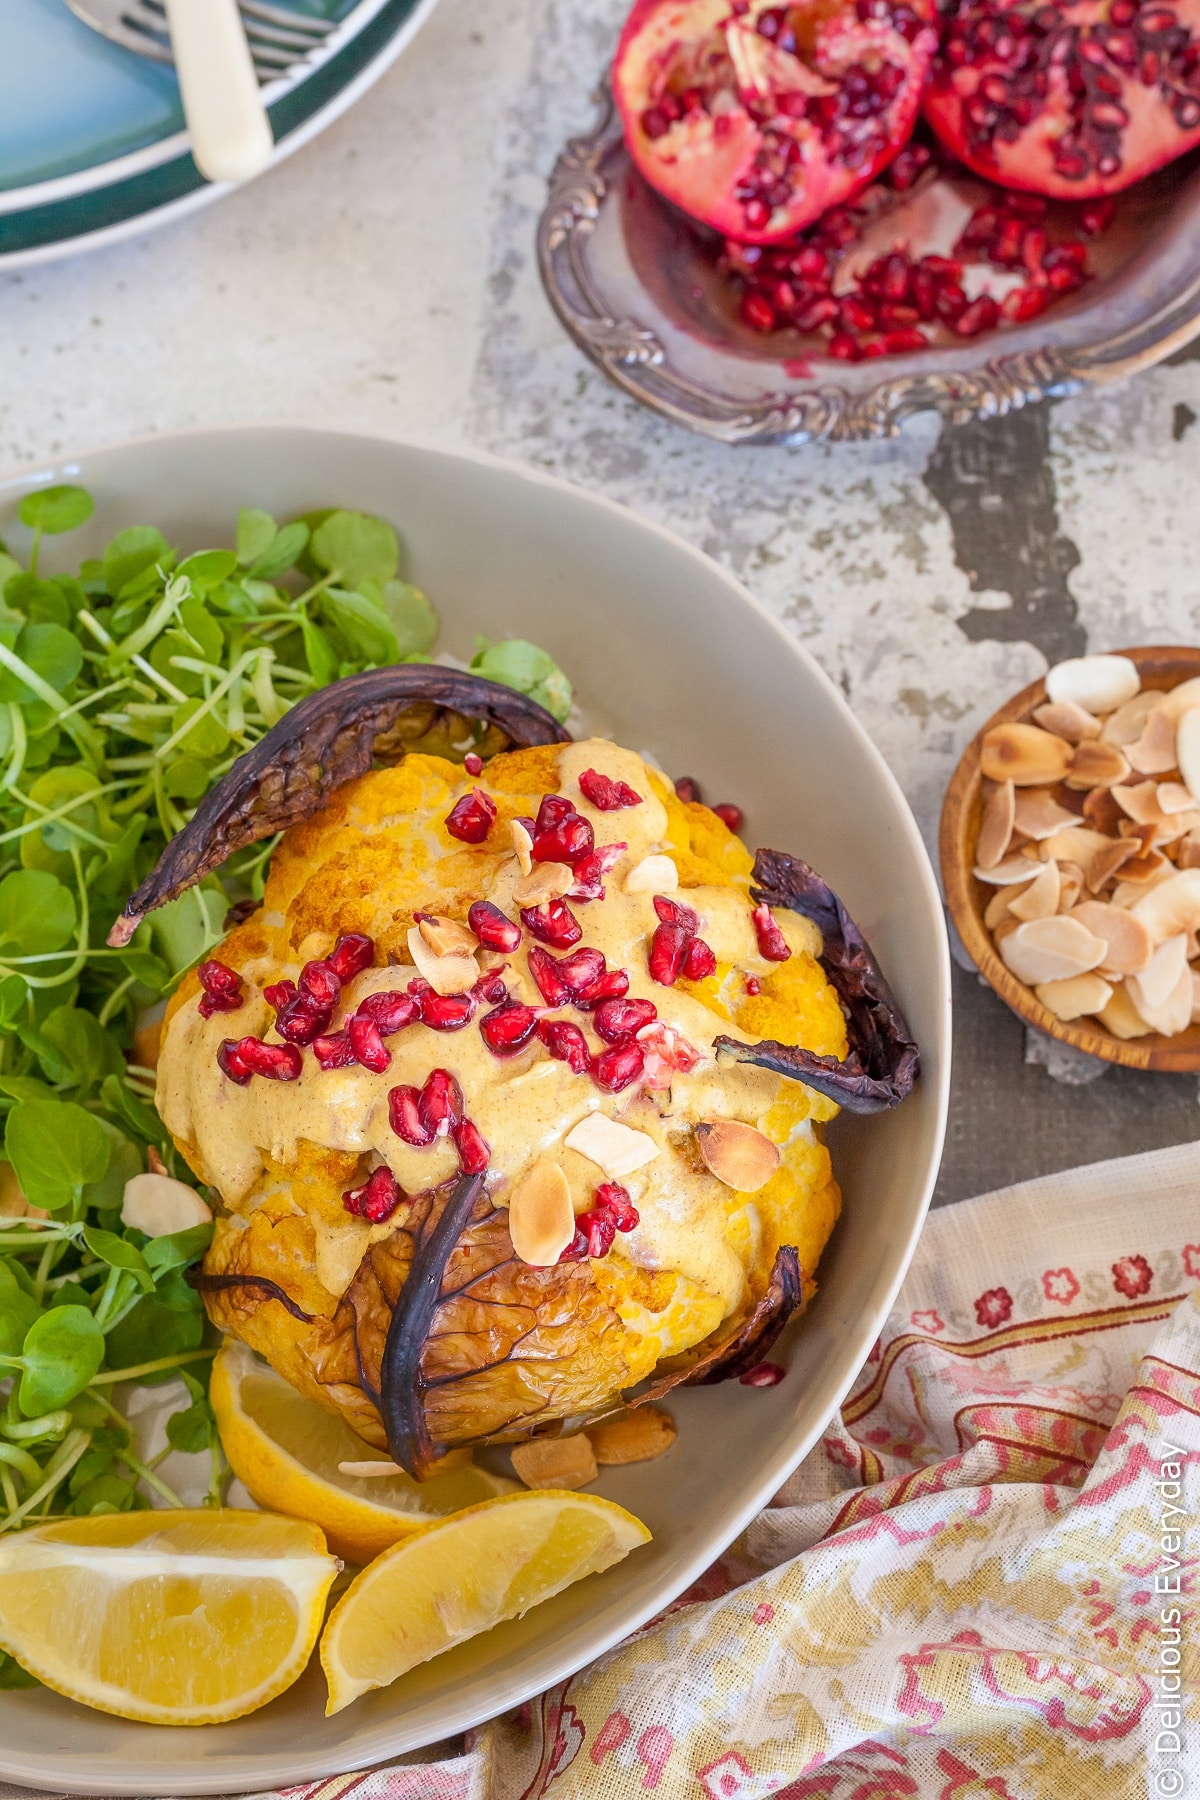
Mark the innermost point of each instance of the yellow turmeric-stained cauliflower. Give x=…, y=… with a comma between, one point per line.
x=391, y=1235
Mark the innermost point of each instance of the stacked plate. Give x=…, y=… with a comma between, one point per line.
x=92, y=139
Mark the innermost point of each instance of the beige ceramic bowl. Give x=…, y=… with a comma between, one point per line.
x=673, y=657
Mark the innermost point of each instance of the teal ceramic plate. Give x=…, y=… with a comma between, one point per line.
x=92, y=139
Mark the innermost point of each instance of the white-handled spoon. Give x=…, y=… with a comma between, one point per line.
x=230, y=131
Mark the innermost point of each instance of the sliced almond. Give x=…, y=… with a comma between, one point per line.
x=995, y=825
x=1143, y=868
x=1128, y=893
x=370, y=1469
x=1101, y=811
x=1173, y=798
x=1040, y=898
x=1180, y=699
x=1104, y=863
x=653, y=875
x=522, y=843
x=453, y=974
x=446, y=937
x=1126, y=724
x=1187, y=851
x=1051, y=950
x=1070, y=885
x=1173, y=1012
x=1187, y=750
x=739, y=1155
x=1097, y=765
x=1025, y=755
x=1012, y=870
x=545, y=881
x=997, y=907
x=1099, y=683
x=562, y=1462
x=1139, y=801
x=541, y=1219
x=1173, y=906
x=1129, y=944
x=1154, y=751
x=1037, y=814
x=617, y=1149
x=1076, y=997
x=1006, y=925
x=638, y=1435
x=160, y=1205
x=1152, y=986
x=1067, y=720
x=1122, y=1017
x=1075, y=843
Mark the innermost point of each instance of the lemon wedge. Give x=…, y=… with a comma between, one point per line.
x=287, y=1450
x=455, y=1579
x=177, y=1618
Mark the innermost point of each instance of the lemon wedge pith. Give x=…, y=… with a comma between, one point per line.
x=286, y=1449
x=177, y=1618
x=452, y=1580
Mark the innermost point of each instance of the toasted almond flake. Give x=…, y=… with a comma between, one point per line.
x=1180, y=699
x=1139, y=802
x=1171, y=1012
x=541, y=1218
x=638, y=1435
x=1075, y=843
x=617, y=1149
x=1052, y=949
x=1187, y=749
x=1099, y=683
x=739, y=1155
x=1040, y=898
x=446, y=937
x=1128, y=893
x=522, y=843
x=1154, y=751
x=1171, y=907
x=1101, y=812
x=1096, y=765
x=1012, y=870
x=1104, y=863
x=1025, y=755
x=445, y=974
x=1076, y=997
x=1129, y=944
x=371, y=1469
x=1151, y=986
x=1037, y=814
x=995, y=825
x=1187, y=851
x=160, y=1205
x=1122, y=1017
x=563, y=1462
x=653, y=875
x=1006, y=925
x=1070, y=885
x=1125, y=725
x=1173, y=797
x=997, y=907
x=1067, y=720
x=545, y=881
x=1143, y=868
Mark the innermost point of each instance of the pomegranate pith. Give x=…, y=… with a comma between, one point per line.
x=756, y=118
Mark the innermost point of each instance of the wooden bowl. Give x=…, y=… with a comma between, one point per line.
x=1160, y=666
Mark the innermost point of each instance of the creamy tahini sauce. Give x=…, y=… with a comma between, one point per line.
x=524, y=1105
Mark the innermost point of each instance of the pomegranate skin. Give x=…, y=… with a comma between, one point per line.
x=757, y=118
x=1072, y=101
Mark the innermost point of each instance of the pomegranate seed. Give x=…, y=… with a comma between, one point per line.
x=1096, y=216
x=732, y=817
x=335, y=1052
x=440, y=1104
x=1025, y=303
x=763, y=1374
x=667, y=949
x=590, y=871
x=698, y=960
x=942, y=268
x=907, y=166
x=351, y=955
x=771, y=942
x=613, y=985
x=493, y=929
x=753, y=986
x=444, y=1012
x=473, y=763
x=553, y=810
x=230, y=1063
x=554, y=924
x=614, y=1069
x=844, y=347
x=687, y=790
x=509, y=1028
x=872, y=347
x=491, y=987
x=605, y=794
x=951, y=302
x=280, y=994
x=320, y=984
x=566, y=1043
x=618, y=1020
x=300, y=1021
x=672, y=913
x=471, y=818
x=390, y=1010
x=474, y=1153
x=582, y=969
x=654, y=122
x=405, y=1119
x=757, y=310
x=544, y=969
x=613, y=1198
x=368, y=1046
x=856, y=314
x=594, y=1236
x=222, y=989
x=819, y=312
x=377, y=1198
x=277, y=1062
x=981, y=315
x=567, y=841
x=897, y=343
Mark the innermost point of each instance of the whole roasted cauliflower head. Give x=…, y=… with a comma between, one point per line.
x=500, y=1175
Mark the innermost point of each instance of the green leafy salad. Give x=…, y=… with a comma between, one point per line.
x=126, y=691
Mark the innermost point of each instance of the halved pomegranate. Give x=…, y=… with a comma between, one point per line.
x=1070, y=100
x=756, y=118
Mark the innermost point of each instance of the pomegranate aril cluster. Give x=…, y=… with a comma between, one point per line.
x=419, y=1116
x=611, y=1211
x=676, y=948
x=377, y=1199
x=222, y=989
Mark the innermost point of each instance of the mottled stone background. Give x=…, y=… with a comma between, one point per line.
x=384, y=279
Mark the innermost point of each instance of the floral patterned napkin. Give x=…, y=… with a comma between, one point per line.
x=980, y=1586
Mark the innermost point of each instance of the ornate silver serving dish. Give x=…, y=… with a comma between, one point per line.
x=638, y=289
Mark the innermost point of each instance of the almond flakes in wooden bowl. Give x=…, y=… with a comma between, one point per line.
x=1070, y=853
